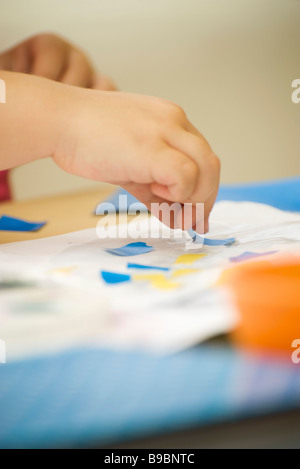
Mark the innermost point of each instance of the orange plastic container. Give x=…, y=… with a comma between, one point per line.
x=267, y=296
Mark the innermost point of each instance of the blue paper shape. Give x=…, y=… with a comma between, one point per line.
x=209, y=242
x=132, y=249
x=146, y=267
x=17, y=224
x=249, y=255
x=114, y=277
x=115, y=203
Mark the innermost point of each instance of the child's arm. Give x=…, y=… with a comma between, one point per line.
x=143, y=143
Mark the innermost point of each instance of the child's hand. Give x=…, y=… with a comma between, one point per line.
x=142, y=143
x=145, y=144
x=49, y=56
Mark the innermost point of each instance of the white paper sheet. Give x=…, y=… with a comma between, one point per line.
x=134, y=314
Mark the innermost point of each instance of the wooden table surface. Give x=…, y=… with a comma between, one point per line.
x=64, y=213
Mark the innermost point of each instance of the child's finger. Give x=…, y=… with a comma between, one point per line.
x=208, y=181
x=6, y=61
x=194, y=145
x=49, y=60
x=21, y=59
x=189, y=216
x=78, y=72
x=189, y=143
x=104, y=83
x=175, y=176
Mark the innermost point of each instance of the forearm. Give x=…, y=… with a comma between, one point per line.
x=30, y=120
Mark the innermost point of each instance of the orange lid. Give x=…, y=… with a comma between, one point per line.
x=267, y=295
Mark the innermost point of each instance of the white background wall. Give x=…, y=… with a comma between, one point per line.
x=228, y=63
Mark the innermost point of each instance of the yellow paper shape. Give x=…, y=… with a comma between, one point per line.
x=180, y=272
x=188, y=258
x=63, y=270
x=158, y=281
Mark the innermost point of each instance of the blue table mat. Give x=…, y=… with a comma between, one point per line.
x=281, y=193
x=86, y=396
x=91, y=396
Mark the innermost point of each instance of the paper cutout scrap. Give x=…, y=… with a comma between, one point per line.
x=17, y=224
x=219, y=242
x=114, y=277
x=208, y=241
x=146, y=267
x=132, y=249
x=62, y=270
x=120, y=202
x=182, y=272
x=188, y=258
x=158, y=281
x=148, y=276
x=250, y=255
